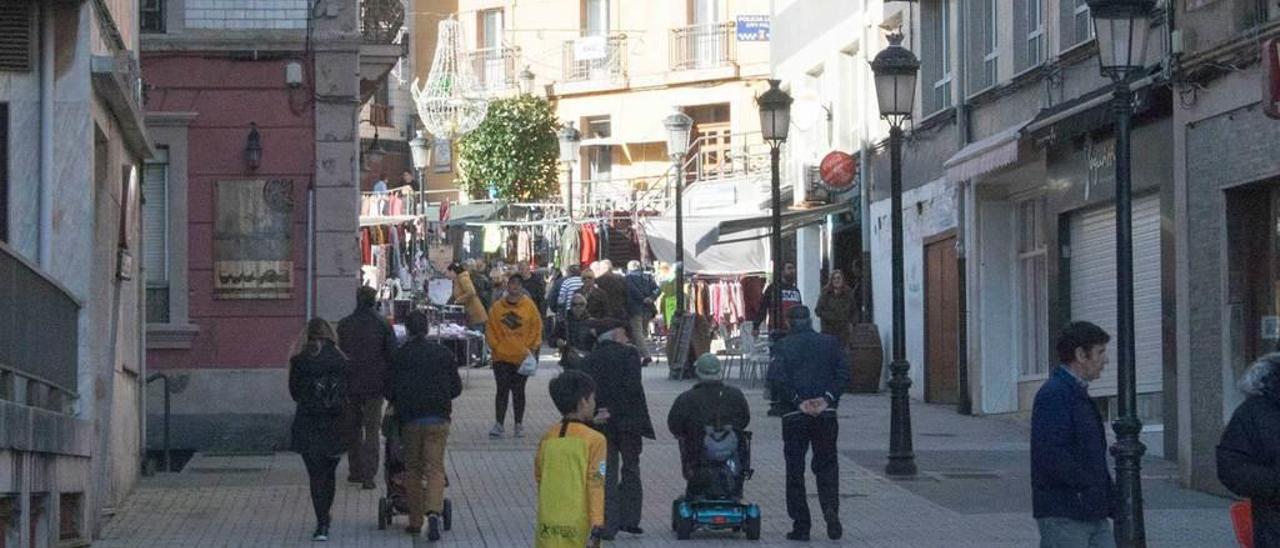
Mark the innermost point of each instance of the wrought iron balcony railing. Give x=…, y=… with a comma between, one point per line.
x=595, y=58
x=495, y=68
x=703, y=46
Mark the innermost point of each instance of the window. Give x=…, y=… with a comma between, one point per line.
x=489, y=42
x=1033, y=297
x=597, y=18
x=18, y=29
x=1033, y=47
x=1077, y=26
x=937, y=60
x=599, y=157
x=4, y=172
x=71, y=510
x=983, y=52
x=151, y=15
x=155, y=235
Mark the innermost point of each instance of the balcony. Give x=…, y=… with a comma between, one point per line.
x=38, y=337
x=596, y=59
x=703, y=47
x=495, y=69
x=380, y=115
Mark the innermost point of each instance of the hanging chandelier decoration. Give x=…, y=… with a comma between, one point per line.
x=451, y=103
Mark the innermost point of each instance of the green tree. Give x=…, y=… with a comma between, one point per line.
x=514, y=151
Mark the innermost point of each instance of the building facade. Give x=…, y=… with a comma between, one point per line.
x=253, y=199
x=72, y=368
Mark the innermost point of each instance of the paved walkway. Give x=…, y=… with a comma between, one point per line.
x=972, y=490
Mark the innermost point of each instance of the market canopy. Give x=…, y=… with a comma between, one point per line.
x=751, y=255
x=760, y=226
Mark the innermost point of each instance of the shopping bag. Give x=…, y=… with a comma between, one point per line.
x=1242, y=520
x=529, y=366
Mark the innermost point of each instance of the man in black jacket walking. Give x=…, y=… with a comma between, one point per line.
x=809, y=373
x=368, y=341
x=615, y=366
x=424, y=383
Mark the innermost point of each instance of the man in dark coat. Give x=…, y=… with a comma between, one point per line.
x=535, y=285
x=368, y=341
x=790, y=298
x=572, y=335
x=609, y=298
x=809, y=373
x=424, y=383
x=1249, y=452
x=615, y=366
x=712, y=403
x=1073, y=497
x=642, y=292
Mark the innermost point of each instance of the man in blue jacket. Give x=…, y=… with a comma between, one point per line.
x=809, y=372
x=1072, y=493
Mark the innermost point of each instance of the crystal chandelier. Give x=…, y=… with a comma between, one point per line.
x=451, y=104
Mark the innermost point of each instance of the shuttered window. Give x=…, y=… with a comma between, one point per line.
x=1028, y=33
x=983, y=50
x=936, y=63
x=4, y=172
x=155, y=233
x=1077, y=26
x=17, y=35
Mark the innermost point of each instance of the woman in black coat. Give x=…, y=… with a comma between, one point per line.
x=318, y=383
x=1249, y=452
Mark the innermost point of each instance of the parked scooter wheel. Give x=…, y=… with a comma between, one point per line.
x=675, y=514
x=684, y=528
x=752, y=528
x=447, y=514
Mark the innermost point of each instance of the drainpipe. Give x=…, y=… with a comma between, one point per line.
x=44, y=236
x=311, y=248
x=964, y=127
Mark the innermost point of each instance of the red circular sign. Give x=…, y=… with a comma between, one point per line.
x=837, y=170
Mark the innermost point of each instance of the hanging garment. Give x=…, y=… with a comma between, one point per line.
x=492, y=239
x=752, y=296
x=570, y=247
x=366, y=256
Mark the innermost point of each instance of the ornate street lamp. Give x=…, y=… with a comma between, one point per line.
x=1122, y=28
x=420, y=149
x=775, y=122
x=253, y=147
x=895, y=69
x=570, y=137
x=526, y=81
x=678, y=125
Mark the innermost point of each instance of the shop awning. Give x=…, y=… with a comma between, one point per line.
x=748, y=255
x=1087, y=113
x=760, y=226
x=461, y=214
x=986, y=155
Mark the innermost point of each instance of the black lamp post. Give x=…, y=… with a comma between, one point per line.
x=569, y=139
x=253, y=147
x=895, y=69
x=420, y=149
x=775, y=122
x=1122, y=28
x=678, y=126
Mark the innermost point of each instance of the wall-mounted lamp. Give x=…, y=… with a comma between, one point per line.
x=253, y=147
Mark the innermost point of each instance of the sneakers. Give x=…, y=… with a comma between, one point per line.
x=321, y=534
x=497, y=431
x=433, y=527
x=518, y=431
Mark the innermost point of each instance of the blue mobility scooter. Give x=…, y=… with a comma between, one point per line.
x=716, y=475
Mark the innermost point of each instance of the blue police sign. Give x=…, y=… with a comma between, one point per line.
x=753, y=28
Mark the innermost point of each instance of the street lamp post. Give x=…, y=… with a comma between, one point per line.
x=419, y=148
x=895, y=69
x=678, y=126
x=775, y=122
x=569, y=139
x=1122, y=28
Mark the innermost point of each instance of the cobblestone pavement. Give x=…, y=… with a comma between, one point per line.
x=262, y=500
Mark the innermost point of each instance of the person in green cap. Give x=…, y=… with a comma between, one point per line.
x=710, y=403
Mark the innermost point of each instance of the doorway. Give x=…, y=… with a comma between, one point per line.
x=941, y=320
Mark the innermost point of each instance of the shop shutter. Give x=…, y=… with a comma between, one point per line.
x=1093, y=287
x=155, y=216
x=16, y=36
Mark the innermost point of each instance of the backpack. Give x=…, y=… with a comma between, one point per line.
x=329, y=392
x=719, y=444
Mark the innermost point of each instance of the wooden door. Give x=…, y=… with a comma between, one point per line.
x=942, y=321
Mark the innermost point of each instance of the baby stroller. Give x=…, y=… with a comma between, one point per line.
x=396, y=501
x=716, y=469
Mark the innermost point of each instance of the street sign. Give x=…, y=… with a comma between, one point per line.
x=753, y=28
x=837, y=170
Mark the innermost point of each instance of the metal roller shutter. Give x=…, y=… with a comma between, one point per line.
x=1093, y=287
x=155, y=219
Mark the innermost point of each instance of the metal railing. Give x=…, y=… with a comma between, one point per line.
x=39, y=337
x=595, y=58
x=495, y=68
x=703, y=46
x=380, y=115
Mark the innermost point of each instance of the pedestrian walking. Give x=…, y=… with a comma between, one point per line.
x=535, y=286
x=837, y=308
x=573, y=336
x=318, y=385
x=514, y=333
x=808, y=376
x=368, y=341
x=609, y=297
x=1249, y=452
x=790, y=297
x=1073, y=496
x=614, y=364
x=424, y=383
x=642, y=293
x=569, y=469
x=484, y=284
x=709, y=404
x=570, y=285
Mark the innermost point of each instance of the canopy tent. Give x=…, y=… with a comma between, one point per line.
x=750, y=255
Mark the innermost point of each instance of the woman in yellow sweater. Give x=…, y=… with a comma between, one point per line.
x=514, y=332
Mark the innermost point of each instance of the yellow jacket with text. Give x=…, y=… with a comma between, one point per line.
x=569, y=469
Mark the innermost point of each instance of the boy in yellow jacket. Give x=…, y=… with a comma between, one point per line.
x=569, y=469
x=514, y=332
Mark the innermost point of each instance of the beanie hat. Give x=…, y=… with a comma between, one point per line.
x=707, y=367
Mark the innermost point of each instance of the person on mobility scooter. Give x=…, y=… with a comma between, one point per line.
x=709, y=421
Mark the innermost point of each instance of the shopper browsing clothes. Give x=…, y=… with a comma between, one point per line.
x=318, y=384
x=368, y=341
x=424, y=383
x=572, y=335
x=464, y=295
x=514, y=333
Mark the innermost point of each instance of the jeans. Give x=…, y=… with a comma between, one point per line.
x=640, y=334
x=365, y=416
x=424, y=462
x=1070, y=533
x=623, y=492
x=509, y=382
x=321, y=470
x=799, y=432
